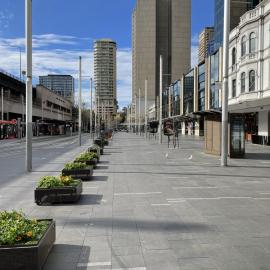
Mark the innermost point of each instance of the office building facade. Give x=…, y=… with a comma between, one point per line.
x=160, y=27
x=237, y=9
x=105, y=78
x=62, y=85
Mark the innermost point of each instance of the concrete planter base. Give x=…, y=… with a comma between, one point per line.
x=32, y=257
x=58, y=194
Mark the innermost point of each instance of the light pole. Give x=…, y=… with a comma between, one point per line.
x=28, y=32
x=80, y=100
x=224, y=139
x=160, y=98
x=91, y=105
x=20, y=63
x=136, y=113
x=170, y=102
x=145, y=108
x=140, y=111
x=130, y=115
x=2, y=103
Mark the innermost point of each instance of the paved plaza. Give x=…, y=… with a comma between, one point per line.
x=151, y=208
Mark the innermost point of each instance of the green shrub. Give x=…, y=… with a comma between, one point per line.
x=60, y=181
x=87, y=156
x=16, y=229
x=94, y=147
x=75, y=165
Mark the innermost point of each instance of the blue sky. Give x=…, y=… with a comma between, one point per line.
x=65, y=29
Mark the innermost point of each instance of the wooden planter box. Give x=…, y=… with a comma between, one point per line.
x=28, y=257
x=58, y=194
x=92, y=162
x=83, y=174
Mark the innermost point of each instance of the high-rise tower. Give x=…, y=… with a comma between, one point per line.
x=105, y=77
x=159, y=27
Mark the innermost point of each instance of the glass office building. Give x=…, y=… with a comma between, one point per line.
x=201, y=87
x=62, y=85
x=188, y=95
x=238, y=8
x=176, y=88
x=214, y=79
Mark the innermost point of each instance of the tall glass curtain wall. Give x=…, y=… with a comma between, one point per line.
x=188, y=92
x=165, y=103
x=201, y=88
x=214, y=73
x=176, y=98
x=219, y=14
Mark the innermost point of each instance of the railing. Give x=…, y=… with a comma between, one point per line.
x=250, y=15
x=12, y=76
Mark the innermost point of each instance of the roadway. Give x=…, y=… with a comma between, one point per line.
x=45, y=149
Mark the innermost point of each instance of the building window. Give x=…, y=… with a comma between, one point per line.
x=252, y=42
x=243, y=46
x=233, y=56
x=251, y=81
x=233, y=88
x=243, y=82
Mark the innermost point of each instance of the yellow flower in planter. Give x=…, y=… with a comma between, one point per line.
x=29, y=234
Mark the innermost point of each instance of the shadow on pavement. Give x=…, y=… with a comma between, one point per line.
x=143, y=225
x=190, y=174
x=90, y=199
x=99, y=178
x=258, y=156
x=65, y=256
x=102, y=167
x=104, y=162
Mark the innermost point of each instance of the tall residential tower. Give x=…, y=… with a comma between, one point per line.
x=105, y=77
x=205, y=39
x=159, y=27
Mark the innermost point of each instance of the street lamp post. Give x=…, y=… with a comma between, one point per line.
x=145, y=108
x=2, y=103
x=28, y=31
x=80, y=100
x=136, y=113
x=140, y=111
x=91, y=105
x=160, y=98
x=130, y=115
x=20, y=63
x=224, y=139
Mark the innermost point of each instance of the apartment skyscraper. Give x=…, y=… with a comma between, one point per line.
x=238, y=8
x=62, y=85
x=205, y=39
x=159, y=27
x=105, y=77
